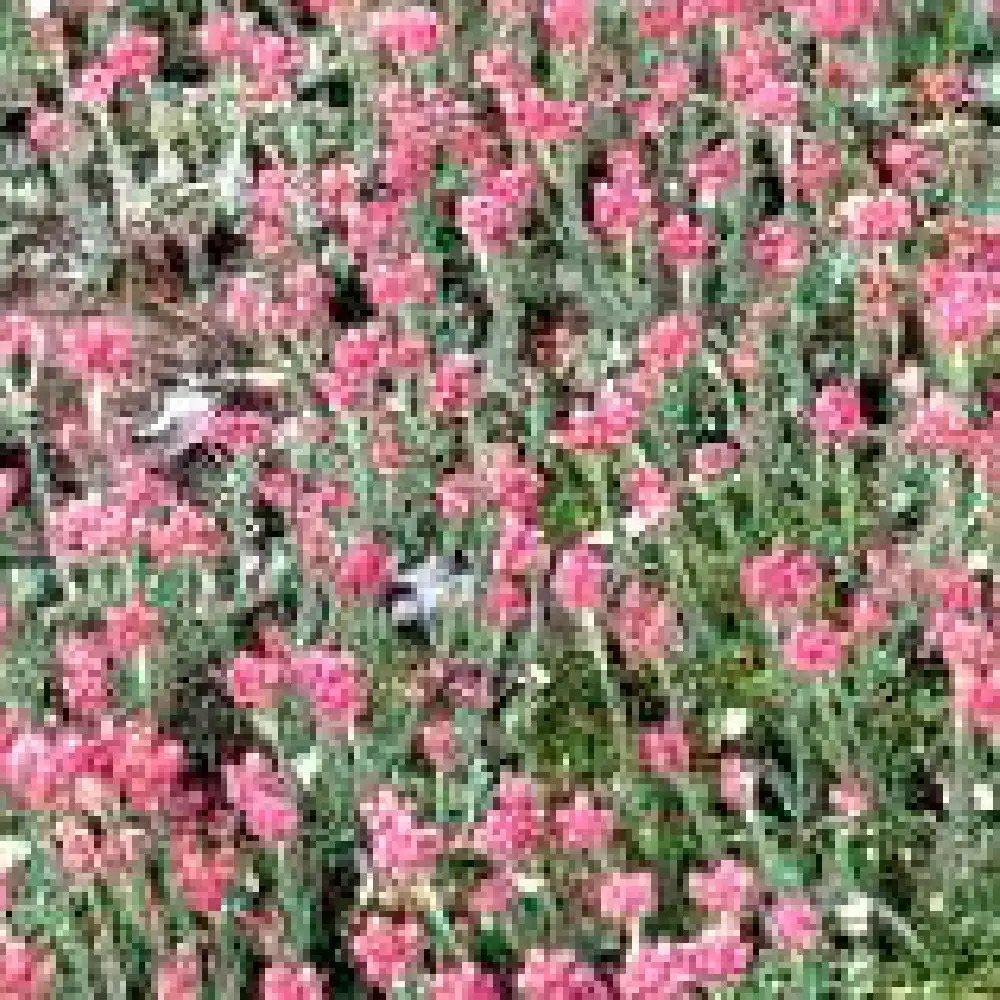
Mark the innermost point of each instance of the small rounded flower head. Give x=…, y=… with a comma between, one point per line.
x=815, y=649
x=794, y=923
x=836, y=415
x=726, y=887
x=580, y=577
x=291, y=981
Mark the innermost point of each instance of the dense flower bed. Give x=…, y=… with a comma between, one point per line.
x=498, y=499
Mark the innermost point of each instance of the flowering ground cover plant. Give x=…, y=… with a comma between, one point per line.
x=499, y=499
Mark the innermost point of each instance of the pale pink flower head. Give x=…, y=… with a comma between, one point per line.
x=782, y=579
x=662, y=970
x=646, y=491
x=645, y=624
x=97, y=347
x=713, y=460
x=938, y=424
x=568, y=22
x=456, y=385
x=20, y=332
x=85, y=674
x=794, y=924
x=50, y=131
x=26, y=970
x=910, y=162
x=868, y=615
x=520, y=548
x=846, y=17
x=670, y=342
x=580, y=577
x=672, y=81
x=493, y=894
x=665, y=749
x=335, y=685
x=291, y=981
x=365, y=569
x=626, y=896
x=505, y=602
x=202, y=876
x=401, y=846
x=719, y=955
x=558, y=972
x=715, y=170
x=502, y=67
x=221, y=38
x=963, y=312
x=131, y=627
x=608, y=423
x=881, y=218
x=514, y=825
x=815, y=649
x=465, y=981
x=258, y=791
x=836, y=416
x=726, y=887
x=400, y=279
x=779, y=248
x=189, y=534
x=144, y=763
x=95, y=84
x=410, y=31
x=775, y=102
x=582, y=825
x=813, y=169
x=178, y=976
x=850, y=799
x=684, y=240
x=750, y=65
x=386, y=951
x=133, y=54
x=532, y=116
x=459, y=495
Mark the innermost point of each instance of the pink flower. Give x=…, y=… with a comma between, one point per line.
x=386, y=951
x=50, y=131
x=94, y=530
x=749, y=66
x=532, y=116
x=909, y=162
x=794, y=924
x=520, y=548
x=645, y=624
x=97, y=347
x=845, y=17
x=719, y=955
x=465, y=981
x=661, y=970
x=645, y=489
x=400, y=280
x=583, y=826
x=96, y=84
x=713, y=171
x=178, y=977
x=131, y=627
x=726, y=887
x=670, y=343
x=568, y=22
x=291, y=981
x=938, y=423
x=712, y=460
x=401, y=846
x=505, y=602
x=492, y=895
x=836, y=414
x=261, y=794
x=203, y=878
x=190, y=534
x=365, y=569
x=779, y=249
x=626, y=896
x=335, y=685
x=775, y=102
x=850, y=799
x=86, y=675
x=684, y=240
x=411, y=31
x=781, y=579
x=579, y=578
x=20, y=333
x=813, y=169
x=878, y=219
x=664, y=749
x=221, y=38
x=611, y=422
x=255, y=681
x=513, y=827
x=133, y=55
x=548, y=973
x=26, y=970
x=814, y=649
x=459, y=495
x=145, y=764
x=456, y=385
